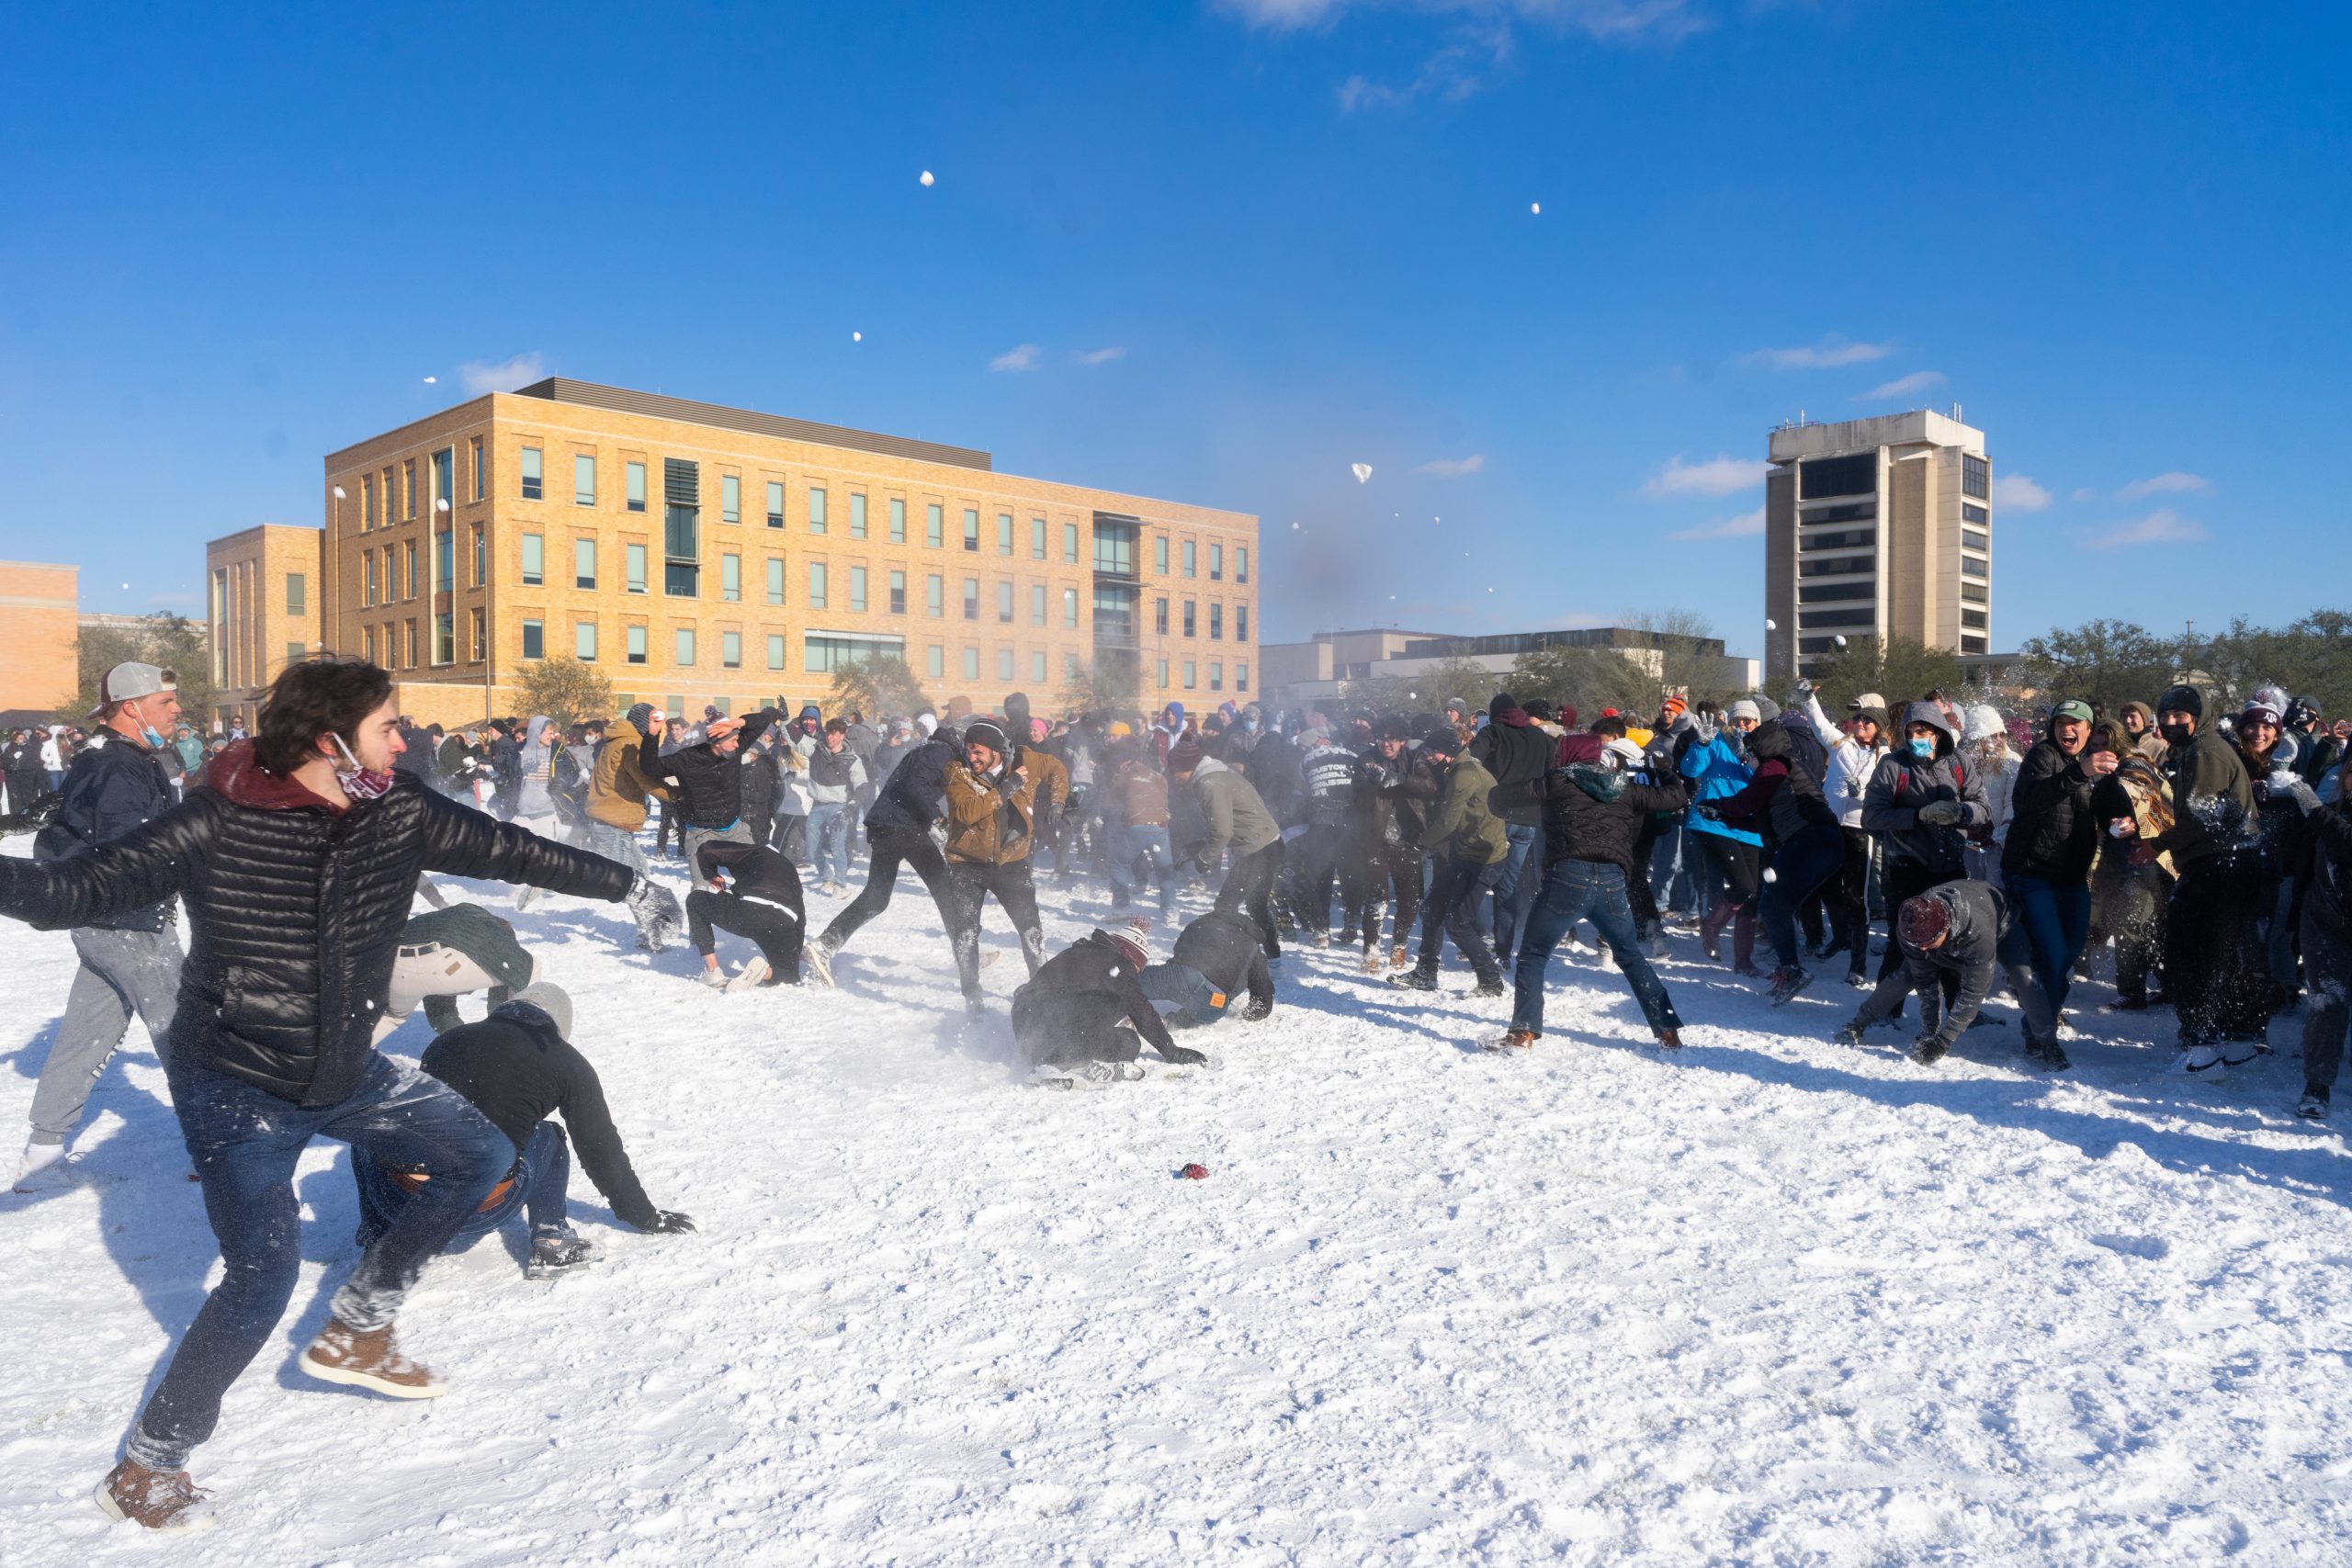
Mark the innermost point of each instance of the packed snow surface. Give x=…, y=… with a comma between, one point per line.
x=1768, y=1300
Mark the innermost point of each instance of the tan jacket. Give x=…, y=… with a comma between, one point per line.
x=986, y=824
x=617, y=791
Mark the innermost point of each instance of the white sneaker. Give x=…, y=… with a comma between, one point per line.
x=817, y=963
x=1072, y=1075
x=754, y=972
x=38, y=1158
x=715, y=978
x=2238, y=1053
x=2203, y=1059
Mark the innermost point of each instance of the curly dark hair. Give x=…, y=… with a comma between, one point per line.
x=313, y=697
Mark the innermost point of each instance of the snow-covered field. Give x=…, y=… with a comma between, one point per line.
x=1771, y=1300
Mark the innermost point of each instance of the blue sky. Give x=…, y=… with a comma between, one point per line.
x=1219, y=253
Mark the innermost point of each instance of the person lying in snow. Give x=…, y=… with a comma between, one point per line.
x=1961, y=931
x=517, y=1067
x=1083, y=1017
x=1217, y=956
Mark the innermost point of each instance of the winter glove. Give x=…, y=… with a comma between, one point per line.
x=1183, y=1057
x=1942, y=813
x=1804, y=688
x=655, y=909
x=2297, y=790
x=669, y=1222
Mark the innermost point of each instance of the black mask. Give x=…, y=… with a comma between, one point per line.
x=2176, y=732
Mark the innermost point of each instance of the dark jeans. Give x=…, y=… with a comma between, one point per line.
x=968, y=885
x=1577, y=890
x=2327, y=964
x=1185, y=989
x=2057, y=921
x=1322, y=856
x=1250, y=885
x=540, y=1175
x=245, y=1142
x=1800, y=867
x=1452, y=910
x=2131, y=907
x=1150, y=844
x=1847, y=900
x=1391, y=875
x=2213, y=960
x=1515, y=887
x=888, y=849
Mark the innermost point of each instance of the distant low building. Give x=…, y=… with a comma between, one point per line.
x=38, y=628
x=1302, y=674
x=261, y=611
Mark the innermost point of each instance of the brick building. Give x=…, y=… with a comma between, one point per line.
x=262, y=611
x=705, y=554
x=37, y=672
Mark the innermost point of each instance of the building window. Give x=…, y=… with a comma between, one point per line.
x=1241, y=623
x=1972, y=644
x=636, y=554
x=897, y=593
x=1004, y=533
x=1217, y=568
x=775, y=504
x=971, y=664
x=816, y=509
x=1975, y=477
x=730, y=498
x=1004, y=604
x=971, y=598
x=481, y=555
x=857, y=514
x=1971, y=567
x=478, y=639
x=408, y=492
x=857, y=590
x=1069, y=606
x=898, y=520
x=775, y=650
x=1036, y=604
x=731, y=650
x=366, y=579
x=534, y=640
x=411, y=660
x=1216, y=674
x=933, y=521
x=1216, y=623
x=366, y=503
x=476, y=466
x=637, y=487
x=686, y=647
x=816, y=585
x=637, y=645
x=1037, y=538
x=584, y=479
x=776, y=580
x=1159, y=615
x=1974, y=593
x=1191, y=628
x=935, y=660
x=681, y=528
x=584, y=563
x=1191, y=678
x=1069, y=542
x=1818, y=477
x=1241, y=675
x=1975, y=620
x=972, y=530
x=1159, y=560
x=408, y=561
x=821, y=654
x=730, y=577
x=445, y=560
x=296, y=592
x=1070, y=666
x=1004, y=664
x=1968, y=513
x=1160, y=673
x=531, y=476
x=935, y=595
x=1191, y=558
x=584, y=640
x=1037, y=665
x=1970, y=538
x=1240, y=572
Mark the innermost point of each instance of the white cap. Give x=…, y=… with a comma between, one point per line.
x=125, y=682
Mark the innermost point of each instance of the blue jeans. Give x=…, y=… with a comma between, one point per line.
x=1515, y=888
x=1151, y=841
x=829, y=840
x=541, y=1176
x=1186, y=989
x=1800, y=867
x=1577, y=890
x=2057, y=922
x=245, y=1142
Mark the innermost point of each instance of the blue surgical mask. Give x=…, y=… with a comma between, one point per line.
x=154, y=742
x=1922, y=748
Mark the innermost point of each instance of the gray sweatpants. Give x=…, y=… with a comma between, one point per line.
x=695, y=838
x=122, y=973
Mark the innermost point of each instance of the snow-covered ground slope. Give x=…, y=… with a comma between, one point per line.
x=1768, y=1300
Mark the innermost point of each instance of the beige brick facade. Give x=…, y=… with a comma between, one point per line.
x=793, y=546
x=37, y=673
x=262, y=591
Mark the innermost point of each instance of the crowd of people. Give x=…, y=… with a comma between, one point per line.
x=1961, y=849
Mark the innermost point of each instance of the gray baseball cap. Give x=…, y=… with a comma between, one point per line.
x=125, y=682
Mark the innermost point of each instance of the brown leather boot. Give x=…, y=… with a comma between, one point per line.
x=1670, y=1039
x=159, y=1500
x=368, y=1360
x=1517, y=1040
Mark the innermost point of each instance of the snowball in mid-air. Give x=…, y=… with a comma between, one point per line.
x=926, y=176
x=1362, y=472
x=1535, y=207
x=858, y=337
x=1839, y=641
x=1770, y=625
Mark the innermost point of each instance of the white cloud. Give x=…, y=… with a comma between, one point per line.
x=1024, y=357
x=1100, y=355
x=1597, y=19
x=2019, y=493
x=505, y=376
x=1746, y=525
x=1828, y=355
x=1452, y=468
x=2173, y=483
x=1719, y=475
x=2162, y=526
x=1904, y=386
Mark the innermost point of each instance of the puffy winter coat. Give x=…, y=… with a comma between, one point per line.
x=912, y=797
x=1980, y=917
x=1080, y=994
x=1142, y=797
x=109, y=791
x=1591, y=811
x=1905, y=781
x=835, y=776
x=1785, y=795
x=1714, y=762
x=1049, y=775
x=2053, y=835
x=991, y=820
x=761, y=783
x=1464, y=825
x=707, y=786
x=296, y=909
x=1276, y=771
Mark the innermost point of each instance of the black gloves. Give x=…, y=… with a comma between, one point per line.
x=669, y=1222
x=1182, y=1056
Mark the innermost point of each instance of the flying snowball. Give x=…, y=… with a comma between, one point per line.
x=1535, y=207
x=858, y=337
x=1769, y=876
x=125, y=587
x=1839, y=641
x=1771, y=626
x=926, y=176
x=429, y=380
x=1362, y=472
x=1294, y=528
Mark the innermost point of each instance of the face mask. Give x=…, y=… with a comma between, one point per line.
x=358, y=782
x=2175, y=732
x=1922, y=749
x=154, y=742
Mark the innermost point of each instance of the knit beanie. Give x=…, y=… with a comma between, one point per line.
x=984, y=732
x=2183, y=699
x=1185, y=755
x=1134, y=938
x=639, y=712
x=1924, y=921
x=547, y=998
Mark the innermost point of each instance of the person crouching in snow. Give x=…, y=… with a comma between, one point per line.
x=759, y=900
x=1216, y=957
x=517, y=1067
x=1083, y=1017
x=1956, y=934
x=451, y=952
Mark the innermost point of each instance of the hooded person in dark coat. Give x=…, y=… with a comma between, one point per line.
x=1955, y=938
x=2053, y=838
x=1920, y=803
x=1083, y=1016
x=1803, y=847
x=759, y=897
x=898, y=831
x=2326, y=931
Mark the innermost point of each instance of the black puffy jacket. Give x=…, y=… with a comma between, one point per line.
x=1589, y=811
x=296, y=910
x=2052, y=832
x=109, y=791
x=707, y=786
x=914, y=797
x=1079, y=994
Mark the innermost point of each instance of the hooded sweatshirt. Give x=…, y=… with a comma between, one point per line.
x=1516, y=751
x=1905, y=782
x=536, y=764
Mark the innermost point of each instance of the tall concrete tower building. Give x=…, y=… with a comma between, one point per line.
x=1877, y=527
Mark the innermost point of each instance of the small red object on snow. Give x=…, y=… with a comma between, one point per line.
x=1195, y=1173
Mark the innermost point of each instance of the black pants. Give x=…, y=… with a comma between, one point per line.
x=1322, y=856
x=777, y=930
x=1846, y=898
x=1906, y=879
x=1391, y=875
x=2132, y=907
x=1452, y=910
x=889, y=849
x=1250, y=885
x=2213, y=960
x=968, y=885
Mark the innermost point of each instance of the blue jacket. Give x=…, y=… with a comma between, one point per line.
x=913, y=797
x=109, y=791
x=1720, y=773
